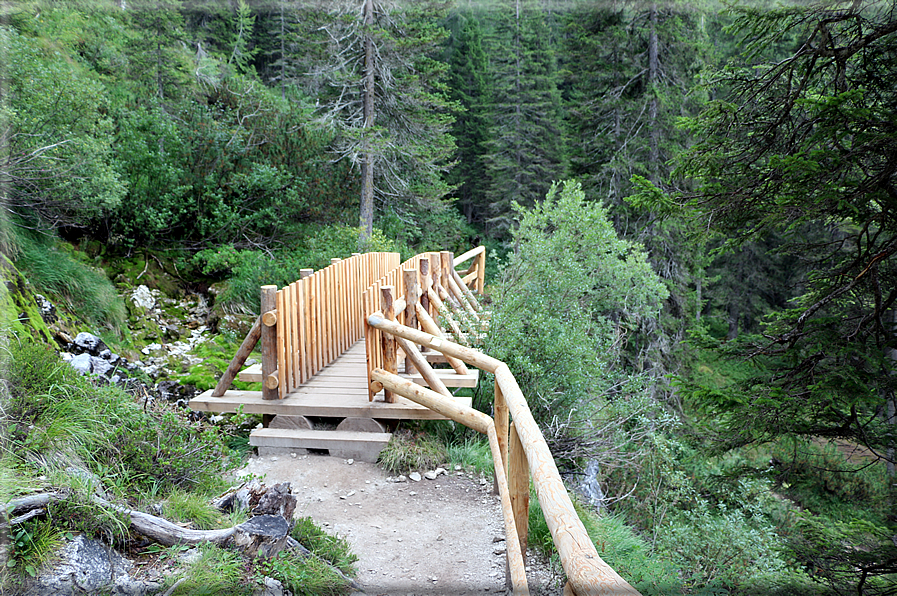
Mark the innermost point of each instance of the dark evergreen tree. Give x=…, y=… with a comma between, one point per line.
x=468, y=87
x=809, y=143
x=387, y=101
x=526, y=148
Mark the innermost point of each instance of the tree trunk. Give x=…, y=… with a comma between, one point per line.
x=367, y=164
x=653, y=71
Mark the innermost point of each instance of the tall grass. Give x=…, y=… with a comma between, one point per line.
x=56, y=271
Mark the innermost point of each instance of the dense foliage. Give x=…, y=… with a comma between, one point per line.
x=707, y=312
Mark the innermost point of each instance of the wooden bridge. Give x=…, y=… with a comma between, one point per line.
x=333, y=344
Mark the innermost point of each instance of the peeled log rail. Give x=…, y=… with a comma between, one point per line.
x=587, y=573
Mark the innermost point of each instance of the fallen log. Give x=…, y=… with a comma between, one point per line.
x=262, y=536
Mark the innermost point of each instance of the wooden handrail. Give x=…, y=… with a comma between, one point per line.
x=481, y=423
x=587, y=573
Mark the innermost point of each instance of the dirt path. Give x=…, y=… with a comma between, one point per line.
x=442, y=536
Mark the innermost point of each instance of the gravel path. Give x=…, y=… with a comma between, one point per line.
x=442, y=536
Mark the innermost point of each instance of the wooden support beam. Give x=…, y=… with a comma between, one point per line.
x=412, y=292
x=269, y=340
x=426, y=371
x=465, y=290
x=282, y=347
x=305, y=352
x=518, y=485
x=446, y=313
x=481, y=271
x=500, y=411
x=387, y=341
x=430, y=326
x=462, y=297
x=269, y=318
x=249, y=343
x=425, y=282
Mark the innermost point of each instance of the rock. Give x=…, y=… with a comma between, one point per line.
x=143, y=298
x=414, y=476
x=174, y=392
x=272, y=588
x=88, y=342
x=47, y=309
x=431, y=475
x=87, y=566
x=81, y=363
x=441, y=471
x=589, y=486
x=100, y=367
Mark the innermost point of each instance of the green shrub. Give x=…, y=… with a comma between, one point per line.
x=248, y=270
x=570, y=303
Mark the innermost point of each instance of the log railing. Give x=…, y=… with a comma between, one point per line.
x=423, y=288
x=519, y=452
x=308, y=324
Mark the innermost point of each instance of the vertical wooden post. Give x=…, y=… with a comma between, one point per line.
x=412, y=291
x=500, y=413
x=283, y=345
x=447, y=264
x=481, y=272
x=425, y=281
x=304, y=325
x=518, y=486
x=388, y=342
x=269, y=341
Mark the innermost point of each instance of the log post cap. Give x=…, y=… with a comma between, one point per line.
x=272, y=381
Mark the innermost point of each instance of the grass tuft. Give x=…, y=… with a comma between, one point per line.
x=333, y=549
x=184, y=507
x=407, y=451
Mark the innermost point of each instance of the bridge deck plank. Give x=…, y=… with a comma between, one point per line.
x=340, y=390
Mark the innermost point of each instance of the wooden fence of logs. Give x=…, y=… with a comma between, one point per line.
x=308, y=324
x=397, y=306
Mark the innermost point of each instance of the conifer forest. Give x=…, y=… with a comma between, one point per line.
x=689, y=207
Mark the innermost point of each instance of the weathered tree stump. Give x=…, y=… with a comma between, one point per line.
x=263, y=536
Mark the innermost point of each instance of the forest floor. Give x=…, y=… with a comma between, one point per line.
x=442, y=536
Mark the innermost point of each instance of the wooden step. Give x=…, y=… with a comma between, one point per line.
x=363, y=446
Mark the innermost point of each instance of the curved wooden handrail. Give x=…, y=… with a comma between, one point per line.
x=587, y=573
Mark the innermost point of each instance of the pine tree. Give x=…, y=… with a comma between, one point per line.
x=387, y=101
x=467, y=82
x=525, y=150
